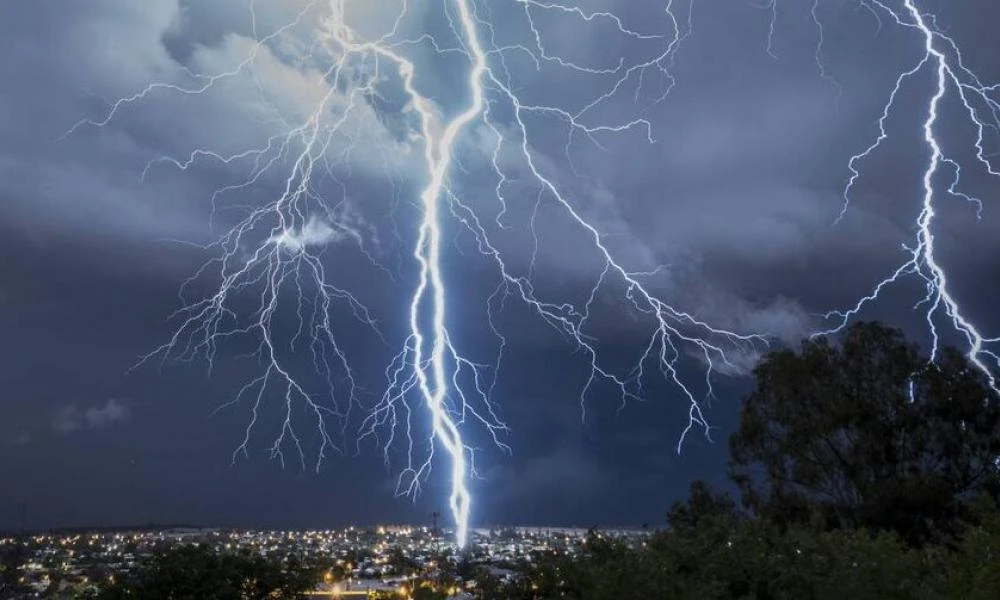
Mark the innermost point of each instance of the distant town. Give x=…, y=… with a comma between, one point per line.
x=352, y=562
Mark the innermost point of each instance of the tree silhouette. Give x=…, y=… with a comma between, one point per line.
x=867, y=434
x=199, y=572
x=12, y=558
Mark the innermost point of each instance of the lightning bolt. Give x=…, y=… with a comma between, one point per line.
x=272, y=260
x=434, y=383
x=942, y=59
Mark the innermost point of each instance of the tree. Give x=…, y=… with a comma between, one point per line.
x=745, y=559
x=428, y=593
x=702, y=504
x=12, y=559
x=868, y=434
x=401, y=562
x=199, y=573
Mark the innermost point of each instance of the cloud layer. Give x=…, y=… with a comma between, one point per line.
x=732, y=207
x=71, y=417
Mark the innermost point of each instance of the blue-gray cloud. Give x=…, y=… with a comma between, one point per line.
x=735, y=199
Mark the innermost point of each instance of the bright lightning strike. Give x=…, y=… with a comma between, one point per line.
x=273, y=260
x=942, y=59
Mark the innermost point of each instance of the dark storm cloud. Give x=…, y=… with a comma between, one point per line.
x=736, y=198
x=544, y=480
x=20, y=439
x=739, y=196
x=87, y=183
x=70, y=417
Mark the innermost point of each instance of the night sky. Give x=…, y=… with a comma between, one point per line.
x=737, y=197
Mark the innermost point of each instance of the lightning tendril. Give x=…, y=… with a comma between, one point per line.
x=943, y=59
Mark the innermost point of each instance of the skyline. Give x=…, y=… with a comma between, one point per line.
x=738, y=221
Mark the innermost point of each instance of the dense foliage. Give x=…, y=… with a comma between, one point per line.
x=870, y=434
x=754, y=559
x=12, y=557
x=200, y=573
